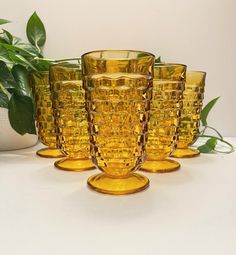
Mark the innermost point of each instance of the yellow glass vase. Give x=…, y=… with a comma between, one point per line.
x=44, y=115
x=191, y=114
x=118, y=88
x=70, y=116
x=166, y=104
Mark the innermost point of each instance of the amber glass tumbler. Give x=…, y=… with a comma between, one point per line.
x=118, y=88
x=166, y=105
x=70, y=116
x=191, y=113
x=44, y=114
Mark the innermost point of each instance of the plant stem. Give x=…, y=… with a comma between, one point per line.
x=203, y=131
x=221, y=140
x=218, y=133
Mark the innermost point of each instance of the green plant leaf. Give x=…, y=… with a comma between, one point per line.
x=3, y=40
x=16, y=40
x=4, y=56
x=204, y=148
x=158, y=60
x=4, y=21
x=211, y=143
x=206, y=111
x=30, y=48
x=35, y=31
x=17, y=49
x=209, y=146
x=6, y=77
x=8, y=36
x=19, y=59
x=3, y=51
x=3, y=100
x=21, y=113
x=32, y=130
x=21, y=75
x=42, y=64
x=5, y=59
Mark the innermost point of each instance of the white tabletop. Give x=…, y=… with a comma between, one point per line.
x=45, y=211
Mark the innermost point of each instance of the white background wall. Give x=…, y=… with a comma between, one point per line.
x=199, y=33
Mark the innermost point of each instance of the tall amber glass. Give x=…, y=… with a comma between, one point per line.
x=118, y=92
x=44, y=114
x=166, y=105
x=191, y=113
x=70, y=116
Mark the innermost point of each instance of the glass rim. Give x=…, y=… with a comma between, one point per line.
x=147, y=54
x=39, y=72
x=169, y=64
x=66, y=63
x=66, y=60
x=196, y=71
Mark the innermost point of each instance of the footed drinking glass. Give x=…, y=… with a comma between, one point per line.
x=44, y=115
x=70, y=116
x=118, y=88
x=191, y=114
x=166, y=104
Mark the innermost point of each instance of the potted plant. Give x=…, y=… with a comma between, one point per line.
x=17, y=60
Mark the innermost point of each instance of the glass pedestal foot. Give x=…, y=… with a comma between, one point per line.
x=185, y=153
x=50, y=153
x=114, y=186
x=70, y=164
x=160, y=166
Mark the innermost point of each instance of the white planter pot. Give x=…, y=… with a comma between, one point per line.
x=9, y=138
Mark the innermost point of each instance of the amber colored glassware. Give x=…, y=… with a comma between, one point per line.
x=70, y=116
x=166, y=105
x=118, y=88
x=44, y=114
x=191, y=113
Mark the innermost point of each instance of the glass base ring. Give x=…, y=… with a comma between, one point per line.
x=118, y=186
x=160, y=166
x=185, y=153
x=50, y=153
x=69, y=164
